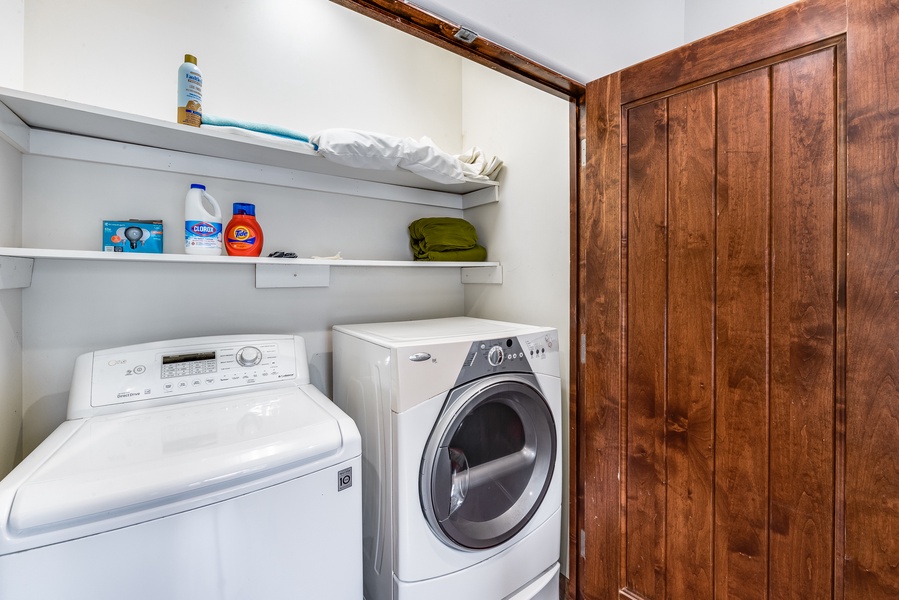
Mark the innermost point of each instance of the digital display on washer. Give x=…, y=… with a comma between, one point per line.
x=193, y=363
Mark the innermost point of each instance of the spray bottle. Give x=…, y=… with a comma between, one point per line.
x=190, y=92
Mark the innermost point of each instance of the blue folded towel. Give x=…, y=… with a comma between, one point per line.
x=258, y=127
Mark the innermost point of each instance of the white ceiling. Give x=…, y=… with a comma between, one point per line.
x=586, y=39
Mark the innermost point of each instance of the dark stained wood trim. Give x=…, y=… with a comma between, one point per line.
x=792, y=27
x=840, y=282
x=436, y=30
x=643, y=470
x=601, y=244
x=578, y=127
x=872, y=303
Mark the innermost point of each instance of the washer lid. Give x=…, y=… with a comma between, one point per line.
x=144, y=459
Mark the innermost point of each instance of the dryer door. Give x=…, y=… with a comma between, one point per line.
x=488, y=462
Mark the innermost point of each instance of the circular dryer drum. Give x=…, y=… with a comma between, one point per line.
x=488, y=462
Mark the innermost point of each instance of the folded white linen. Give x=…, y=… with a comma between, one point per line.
x=276, y=140
x=479, y=166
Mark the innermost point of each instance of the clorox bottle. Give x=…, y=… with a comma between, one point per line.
x=202, y=222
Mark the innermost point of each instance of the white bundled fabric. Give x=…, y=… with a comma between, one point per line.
x=367, y=150
x=478, y=166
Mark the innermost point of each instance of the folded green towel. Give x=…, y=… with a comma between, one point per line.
x=442, y=234
x=476, y=254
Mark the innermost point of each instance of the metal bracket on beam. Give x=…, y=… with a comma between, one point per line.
x=292, y=275
x=15, y=272
x=482, y=274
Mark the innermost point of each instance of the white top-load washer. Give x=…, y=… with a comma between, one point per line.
x=204, y=468
x=461, y=432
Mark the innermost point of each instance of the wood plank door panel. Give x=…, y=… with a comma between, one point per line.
x=690, y=414
x=731, y=312
x=728, y=391
x=742, y=329
x=804, y=323
x=647, y=185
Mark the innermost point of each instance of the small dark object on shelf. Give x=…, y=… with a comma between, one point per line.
x=280, y=254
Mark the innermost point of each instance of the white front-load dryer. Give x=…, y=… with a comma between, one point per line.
x=461, y=427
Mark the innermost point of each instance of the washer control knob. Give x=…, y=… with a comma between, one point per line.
x=248, y=356
x=495, y=355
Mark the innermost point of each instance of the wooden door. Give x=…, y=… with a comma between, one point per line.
x=737, y=435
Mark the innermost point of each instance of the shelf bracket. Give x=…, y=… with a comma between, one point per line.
x=14, y=131
x=15, y=272
x=292, y=275
x=480, y=197
x=482, y=274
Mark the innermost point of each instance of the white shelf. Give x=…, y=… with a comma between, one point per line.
x=52, y=127
x=43, y=126
x=16, y=266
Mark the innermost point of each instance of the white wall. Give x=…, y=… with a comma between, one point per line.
x=583, y=39
x=75, y=307
x=12, y=46
x=528, y=230
x=308, y=65
x=588, y=39
x=705, y=17
x=10, y=313
x=12, y=30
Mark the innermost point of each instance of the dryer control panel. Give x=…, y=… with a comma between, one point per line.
x=522, y=354
x=150, y=374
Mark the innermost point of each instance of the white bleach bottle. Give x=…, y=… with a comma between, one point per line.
x=202, y=222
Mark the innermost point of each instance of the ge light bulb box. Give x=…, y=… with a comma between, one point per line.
x=136, y=235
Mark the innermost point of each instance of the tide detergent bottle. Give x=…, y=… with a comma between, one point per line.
x=243, y=235
x=202, y=222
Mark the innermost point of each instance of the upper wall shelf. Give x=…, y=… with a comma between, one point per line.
x=46, y=126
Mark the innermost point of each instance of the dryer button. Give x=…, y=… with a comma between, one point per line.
x=420, y=357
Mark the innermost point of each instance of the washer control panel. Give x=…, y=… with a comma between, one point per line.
x=155, y=371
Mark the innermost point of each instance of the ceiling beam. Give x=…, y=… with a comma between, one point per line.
x=436, y=30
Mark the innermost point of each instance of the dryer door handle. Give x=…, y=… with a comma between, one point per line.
x=450, y=484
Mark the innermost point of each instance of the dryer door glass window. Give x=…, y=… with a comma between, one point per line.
x=488, y=463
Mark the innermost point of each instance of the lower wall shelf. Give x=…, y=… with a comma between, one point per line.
x=16, y=266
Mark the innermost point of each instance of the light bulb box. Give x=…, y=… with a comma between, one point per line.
x=135, y=235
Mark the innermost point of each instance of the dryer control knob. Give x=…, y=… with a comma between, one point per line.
x=248, y=356
x=495, y=355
